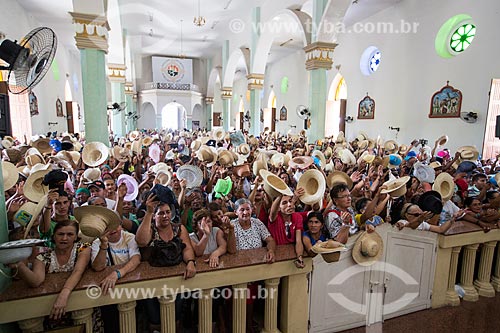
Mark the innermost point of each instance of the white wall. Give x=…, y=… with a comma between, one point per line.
x=411, y=72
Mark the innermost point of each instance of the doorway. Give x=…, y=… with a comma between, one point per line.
x=336, y=107
x=491, y=146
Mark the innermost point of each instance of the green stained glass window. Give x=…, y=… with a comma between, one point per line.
x=462, y=37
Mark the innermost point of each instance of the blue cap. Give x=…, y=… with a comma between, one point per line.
x=493, y=181
x=467, y=167
x=55, y=144
x=410, y=155
x=395, y=160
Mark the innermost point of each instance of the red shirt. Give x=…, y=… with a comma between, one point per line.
x=278, y=229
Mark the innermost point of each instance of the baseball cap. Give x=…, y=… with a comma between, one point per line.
x=97, y=183
x=410, y=155
x=82, y=190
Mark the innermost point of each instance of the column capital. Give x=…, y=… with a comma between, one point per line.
x=209, y=100
x=116, y=73
x=319, y=55
x=91, y=31
x=226, y=92
x=129, y=88
x=255, y=81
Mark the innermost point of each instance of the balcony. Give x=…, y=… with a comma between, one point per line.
x=171, y=86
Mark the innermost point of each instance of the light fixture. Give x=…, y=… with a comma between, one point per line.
x=181, y=54
x=199, y=20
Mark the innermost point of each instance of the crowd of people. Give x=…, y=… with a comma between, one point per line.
x=168, y=197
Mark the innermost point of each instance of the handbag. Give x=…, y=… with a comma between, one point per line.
x=166, y=253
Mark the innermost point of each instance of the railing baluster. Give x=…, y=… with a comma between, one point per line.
x=482, y=283
x=205, y=311
x=495, y=280
x=167, y=313
x=271, y=309
x=83, y=316
x=451, y=295
x=468, y=262
x=239, y=307
x=127, y=317
x=31, y=325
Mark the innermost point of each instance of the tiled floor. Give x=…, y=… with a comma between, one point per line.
x=476, y=317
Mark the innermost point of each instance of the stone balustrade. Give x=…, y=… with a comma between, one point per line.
x=28, y=305
x=468, y=239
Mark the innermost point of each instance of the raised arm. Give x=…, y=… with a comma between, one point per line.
x=144, y=233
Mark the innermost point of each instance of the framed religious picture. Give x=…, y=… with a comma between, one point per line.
x=446, y=103
x=366, y=108
x=33, y=104
x=283, y=113
x=59, y=108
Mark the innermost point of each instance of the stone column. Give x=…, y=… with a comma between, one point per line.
x=271, y=309
x=255, y=85
x=451, y=295
x=239, y=308
x=226, y=94
x=116, y=75
x=482, y=283
x=92, y=41
x=129, y=112
x=205, y=311
x=31, y=325
x=127, y=317
x=83, y=316
x=167, y=313
x=209, y=102
x=468, y=262
x=319, y=59
x=294, y=315
x=495, y=279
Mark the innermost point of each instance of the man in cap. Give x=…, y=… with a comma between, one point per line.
x=82, y=195
x=96, y=189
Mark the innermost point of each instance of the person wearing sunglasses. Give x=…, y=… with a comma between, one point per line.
x=412, y=216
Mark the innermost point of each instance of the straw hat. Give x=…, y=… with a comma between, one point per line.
x=218, y=134
x=244, y=149
x=95, y=220
x=329, y=250
x=19, y=250
x=277, y=159
x=339, y=177
x=95, y=153
x=134, y=135
x=92, y=174
x=135, y=146
x=207, y=154
x=14, y=155
x=242, y=170
x=147, y=141
x=6, y=144
x=319, y=155
x=368, y=248
x=154, y=152
x=225, y=157
x=43, y=145
x=396, y=187
x=363, y=144
x=163, y=177
x=192, y=174
x=160, y=167
x=402, y=149
x=368, y=158
x=314, y=184
x=223, y=187
x=196, y=144
x=362, y=136
x=468, y=153
x=120, y=153
x=435, y=165
x=391, y=146
x=424, y=173
x=328, y=152
x=340, y=137
x=10, y=175
x=445, y=185
x=442, y=140
x=26, y=212
x=301, y=162
x=260, y=163
x=132, y=186
x=34, y=190
x=347, y=157
x=274, y=185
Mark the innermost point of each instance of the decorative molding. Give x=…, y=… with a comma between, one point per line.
x=255, y=81
x=91, y=31
x=129, y=88
x=319, y=55
x=116, y=72
x=226, y=92
x=209, y=100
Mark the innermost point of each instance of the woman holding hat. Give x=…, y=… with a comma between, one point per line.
x=68, y=255
x=316, y=232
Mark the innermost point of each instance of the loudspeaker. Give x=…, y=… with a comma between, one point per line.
x=497, y=128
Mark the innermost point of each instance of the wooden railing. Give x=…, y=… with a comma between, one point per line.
x=469, y=239
x=28, y=306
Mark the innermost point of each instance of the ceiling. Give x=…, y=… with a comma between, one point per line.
x=154, y=26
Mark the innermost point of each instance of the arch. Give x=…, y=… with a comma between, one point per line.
x=338, y=88
x=215, y=73
x=232, y=64
x=68, y=96
x=332, y=17
x=272, y=28
x=174, y=116
x=148, y=116
x=197, y=115
x=337, y=92
x=271, y=101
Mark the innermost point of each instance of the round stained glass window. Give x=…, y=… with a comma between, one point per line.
x=462, y=37
x=375, y=61
x=370, y=60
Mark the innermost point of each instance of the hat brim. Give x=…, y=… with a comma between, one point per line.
x=314, y=184
x=109, y=216
x=359, y=258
